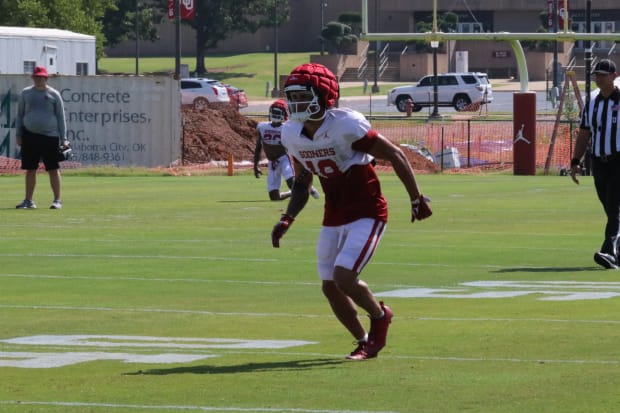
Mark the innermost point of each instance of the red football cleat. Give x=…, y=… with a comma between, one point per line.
x=377, y=337
x=359, y=353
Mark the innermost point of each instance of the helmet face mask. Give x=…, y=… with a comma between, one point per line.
x=303, y=103
x=278, y=111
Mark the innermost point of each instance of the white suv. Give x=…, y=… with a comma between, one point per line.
x=199, y=92
x=453, y=89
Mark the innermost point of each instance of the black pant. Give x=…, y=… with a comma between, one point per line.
x=606, y=172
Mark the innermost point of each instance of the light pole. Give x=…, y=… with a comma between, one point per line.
x=556, y=81
x=435, y=114
x=323, y=6
x=137, y=28
x=177, y=39
x=275, y=92
x=375, y=86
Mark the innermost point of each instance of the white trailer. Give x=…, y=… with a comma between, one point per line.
x=60, y=51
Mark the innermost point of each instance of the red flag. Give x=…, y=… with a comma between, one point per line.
x=171, y=9
x=188, y=9
x=562, y=14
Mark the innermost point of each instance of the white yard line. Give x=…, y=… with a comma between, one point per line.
x=296, y=315
x=182, y=407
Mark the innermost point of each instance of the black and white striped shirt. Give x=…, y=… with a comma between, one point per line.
x=601, y=118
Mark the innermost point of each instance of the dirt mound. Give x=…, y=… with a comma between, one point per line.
x=215, y=133
x=212, y=134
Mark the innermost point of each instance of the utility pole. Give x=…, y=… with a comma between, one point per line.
x=375, y=86
x=556, y=82
x=275, y=92
x=177, y=50
x=137, y=28
x=323, y=6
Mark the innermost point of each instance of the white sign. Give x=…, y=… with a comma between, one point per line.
x=111, y=120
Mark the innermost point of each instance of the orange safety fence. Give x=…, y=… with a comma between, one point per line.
x=480, y=142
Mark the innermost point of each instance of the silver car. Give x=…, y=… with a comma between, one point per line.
x=199, y=92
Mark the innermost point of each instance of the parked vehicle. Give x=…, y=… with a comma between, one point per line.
x=199, y=92
x=453, y=89
x=238, y=98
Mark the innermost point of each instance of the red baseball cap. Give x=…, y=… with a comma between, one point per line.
x=40, y=71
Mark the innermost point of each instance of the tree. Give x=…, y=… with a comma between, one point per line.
x=82, y=16
x=446, y=22
x=340, y=35
x=120, y=23
x=539, y=44
x=217, y=20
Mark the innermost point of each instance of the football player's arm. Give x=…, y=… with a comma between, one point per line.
x=299, y=197
x=257, y=151
x=382, y=148
x=300, y=191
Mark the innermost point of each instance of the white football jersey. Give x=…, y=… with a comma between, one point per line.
x=269, y=134
x=329, y=153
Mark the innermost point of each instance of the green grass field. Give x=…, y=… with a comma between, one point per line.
x=163, y=294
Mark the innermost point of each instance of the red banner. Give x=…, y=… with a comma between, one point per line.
x=171, y=9
x=562, y=14
x=188, y=9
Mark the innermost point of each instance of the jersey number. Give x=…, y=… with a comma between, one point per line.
x=324, y=167
x=271, y=137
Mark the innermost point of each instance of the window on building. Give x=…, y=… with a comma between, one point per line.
x=470, y=27
x=597, y=27
x=81, y=69
x=29, y=66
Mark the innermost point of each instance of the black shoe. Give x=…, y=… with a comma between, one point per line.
x=606, y=260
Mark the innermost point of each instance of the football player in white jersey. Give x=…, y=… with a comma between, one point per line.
x=338, y=146
x=278, y=162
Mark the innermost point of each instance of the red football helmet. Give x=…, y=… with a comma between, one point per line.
x=318, y=88
x=278, y=111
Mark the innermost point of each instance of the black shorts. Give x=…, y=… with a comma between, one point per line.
x=36, y=148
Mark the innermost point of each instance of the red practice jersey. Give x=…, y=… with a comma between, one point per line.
x=338, y=156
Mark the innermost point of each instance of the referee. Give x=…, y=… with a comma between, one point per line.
x=599, y=132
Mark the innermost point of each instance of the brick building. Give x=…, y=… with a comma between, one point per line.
x=301, y=33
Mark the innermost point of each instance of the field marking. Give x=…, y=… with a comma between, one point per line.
x=550, y=290
x=149, y=279
x=39, y=360
x=146, y=257
x=183, y=407
x=36, y=360
x=444, y=358
x=158, y=310
x=177, y=343
x=383, y=356
x=294, y=315
x=193, y=349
